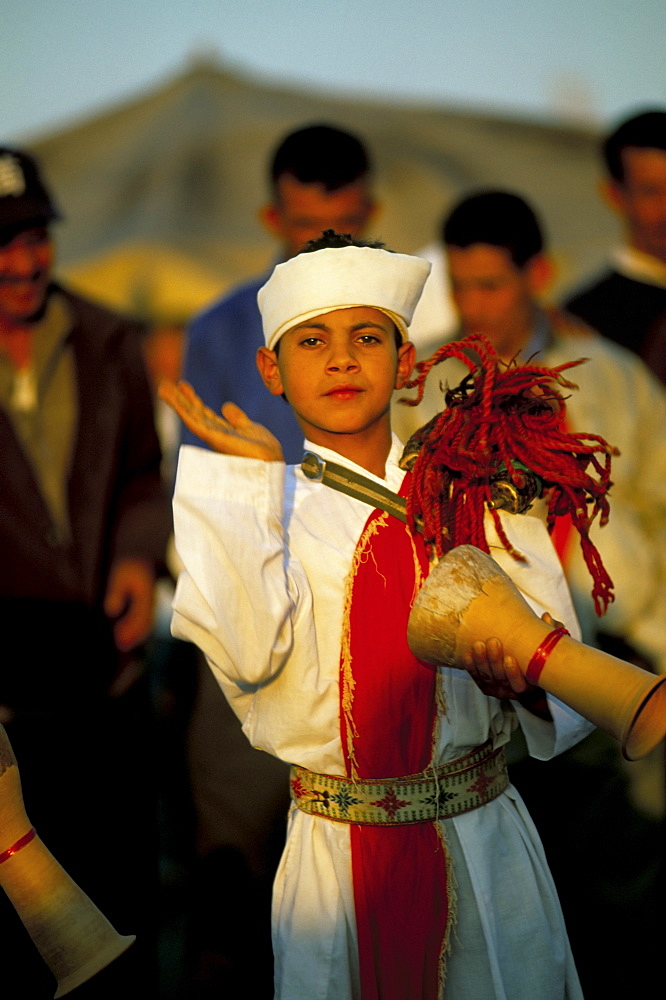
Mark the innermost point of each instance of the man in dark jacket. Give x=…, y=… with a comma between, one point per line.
x=627, y=303
x=83, y=529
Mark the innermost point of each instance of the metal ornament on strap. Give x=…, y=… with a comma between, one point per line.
x=505, y=495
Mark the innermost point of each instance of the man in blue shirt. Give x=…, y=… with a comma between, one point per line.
x=320, y=179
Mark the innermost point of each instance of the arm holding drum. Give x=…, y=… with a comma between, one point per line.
x=468, y=597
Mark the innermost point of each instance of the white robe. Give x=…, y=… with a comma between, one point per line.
x=266, y=554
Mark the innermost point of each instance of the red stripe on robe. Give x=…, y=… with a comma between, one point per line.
x=388, y=716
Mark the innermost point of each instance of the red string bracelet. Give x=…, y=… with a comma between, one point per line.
x=536, y=664
x=21, y=842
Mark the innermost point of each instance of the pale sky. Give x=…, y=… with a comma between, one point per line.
x=590, y=60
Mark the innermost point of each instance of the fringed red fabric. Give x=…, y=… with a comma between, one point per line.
x=562, y=530
x=506, y=419
x=388, y=716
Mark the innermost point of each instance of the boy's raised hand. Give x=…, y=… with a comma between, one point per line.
x=230, y=433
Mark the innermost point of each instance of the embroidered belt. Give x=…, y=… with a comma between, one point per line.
x=448, y=790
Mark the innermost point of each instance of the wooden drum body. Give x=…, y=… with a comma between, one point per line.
x=467, y=597
x=73, y=937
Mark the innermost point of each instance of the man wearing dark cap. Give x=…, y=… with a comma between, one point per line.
x=83, y=528
x=627, y=303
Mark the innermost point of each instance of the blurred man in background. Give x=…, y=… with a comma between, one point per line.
x=84, y=521
x=604, y=839
x=320, y=178
x=499, y=273
x=627, y=303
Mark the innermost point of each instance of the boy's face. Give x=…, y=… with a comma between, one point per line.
x=338, y=372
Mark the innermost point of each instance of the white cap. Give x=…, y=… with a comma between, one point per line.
x=319, y=282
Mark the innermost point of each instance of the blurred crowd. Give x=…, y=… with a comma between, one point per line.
x=134, y=768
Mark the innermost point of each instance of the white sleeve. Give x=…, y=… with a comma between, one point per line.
x=238, y=596
x=548, y=739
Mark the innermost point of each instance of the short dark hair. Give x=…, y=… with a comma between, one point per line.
x=321, y=154
x=498, y=218
x=646, y=130
x=330, y=240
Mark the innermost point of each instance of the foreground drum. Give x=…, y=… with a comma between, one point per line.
x=73, y=937
x=467, y=597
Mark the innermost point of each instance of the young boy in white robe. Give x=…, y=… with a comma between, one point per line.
x=411, y=870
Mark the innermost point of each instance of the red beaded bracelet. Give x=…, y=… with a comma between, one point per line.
x=21, y=842
x=536, y=664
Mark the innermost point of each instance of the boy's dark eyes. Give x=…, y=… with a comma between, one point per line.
x=362, y=338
